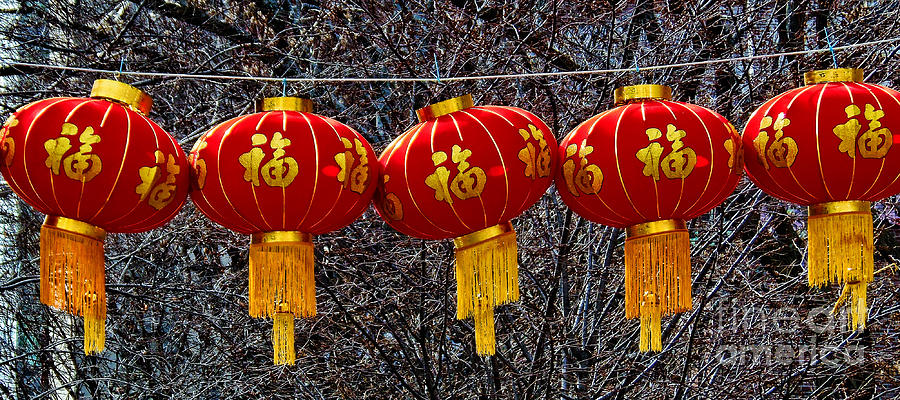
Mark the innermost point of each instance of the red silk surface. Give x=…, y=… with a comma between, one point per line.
x=648, y=161
x=283, y=171
x=826, y=142
x=95, y=161
x=465, y=171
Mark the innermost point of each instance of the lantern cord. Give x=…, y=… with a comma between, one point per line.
x=14, y=64
x=637, y=54
x=830, y=48
x=437, y=69
x=122, y=65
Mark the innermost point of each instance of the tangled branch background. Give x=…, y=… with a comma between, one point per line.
x=178, y=324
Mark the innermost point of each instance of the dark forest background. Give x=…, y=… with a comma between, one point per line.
x=178, y=324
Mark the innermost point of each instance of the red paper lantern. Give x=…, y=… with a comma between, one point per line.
x=649, y=165
x=281, y=176
x=93, y=165
x=829, y=145
x=464, y=172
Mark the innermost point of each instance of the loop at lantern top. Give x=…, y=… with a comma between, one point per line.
x=833, y=75
x=631, y=94
x=284, y=104
x=445, y=107
x=122, y=93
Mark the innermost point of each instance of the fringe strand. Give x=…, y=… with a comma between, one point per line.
x=73, y=280
x=841, y=251
x=651, y=324
x=486, y=273
x=283, y=338
x=657, y=281
x=485, y=342
x=282, y=275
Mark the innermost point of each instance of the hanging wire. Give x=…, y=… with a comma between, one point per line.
x=449, y=79
x=637, y=56
x=121, y=65
x=283, y=87
x=830, y=48
x=437, y=69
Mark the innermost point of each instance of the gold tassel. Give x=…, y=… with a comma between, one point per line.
x=487, y=275
x=283, y=338
x=282, y=285
x=841, y=251
x=657, y=276
x=485, y=344
x=94, y=334
x=651, y=324
x=282, y=274
x=73, y=275
x=858, y=309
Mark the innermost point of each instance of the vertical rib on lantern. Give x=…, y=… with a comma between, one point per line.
x=282, y=285
x=73, y=275
x=841, y=250
x=657, y=276
x=487, y=276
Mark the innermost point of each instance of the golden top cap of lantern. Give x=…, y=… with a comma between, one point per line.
x=655, y=227
x=280, y=237
x=840, y=207
x=77, y=227
x=284, y=104
x=833, y=75
x=445, y=107
x=630, y=94
x=122, y=93
x=482, y=235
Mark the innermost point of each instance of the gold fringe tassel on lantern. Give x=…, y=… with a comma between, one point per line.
x=487, y=275
x=657, y=276
x=73, y=275
x=283, y=338
x=282, y=285
x=651, y=316
x=841, y=250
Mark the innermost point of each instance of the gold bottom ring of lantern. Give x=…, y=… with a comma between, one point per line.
x=282, y=285
x=841, y=250
x=73, y=275
x=657, y=276
x=487, y=275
